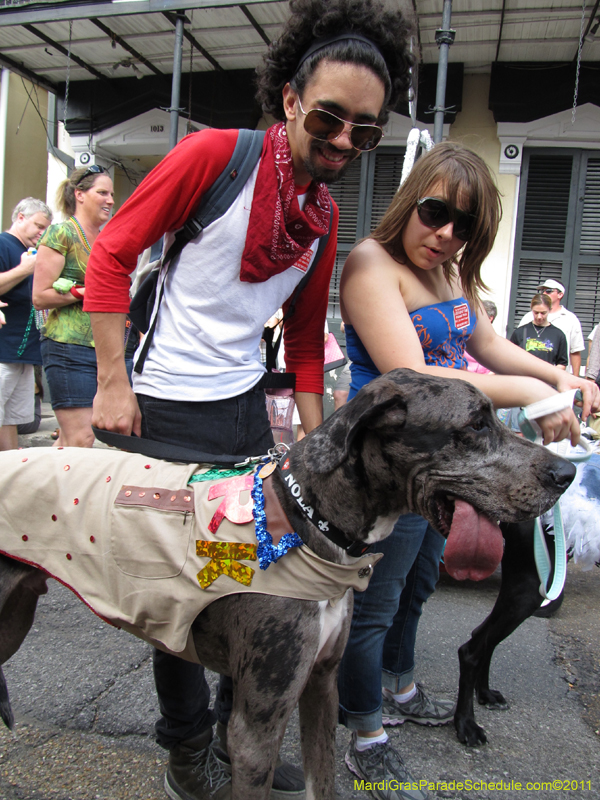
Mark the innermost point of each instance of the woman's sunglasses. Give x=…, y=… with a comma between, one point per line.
x=326, y=127
x=435, y=213
x=95, y=169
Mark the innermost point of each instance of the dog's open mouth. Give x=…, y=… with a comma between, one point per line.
x=474, y=544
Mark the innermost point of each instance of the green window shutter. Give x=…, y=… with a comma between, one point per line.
x=547, y=203
x=558, y=232
x=346, y=194
x=587, y=297
x=589, y=244
x=386, y=180
x=363, y=196
x=587, y=288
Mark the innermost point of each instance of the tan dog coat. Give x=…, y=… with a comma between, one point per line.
x=121, y=531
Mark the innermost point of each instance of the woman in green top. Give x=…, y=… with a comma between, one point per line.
x=68, y=353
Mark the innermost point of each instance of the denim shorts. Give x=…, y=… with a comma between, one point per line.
x=71, y=373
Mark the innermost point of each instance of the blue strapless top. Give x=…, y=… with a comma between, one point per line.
x=443, y=330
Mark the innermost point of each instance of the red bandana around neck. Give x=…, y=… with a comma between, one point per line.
x=279, y=233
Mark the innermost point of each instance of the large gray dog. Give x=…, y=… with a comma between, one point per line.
x=407, y=442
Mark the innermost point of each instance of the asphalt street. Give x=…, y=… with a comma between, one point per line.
x=84, y=701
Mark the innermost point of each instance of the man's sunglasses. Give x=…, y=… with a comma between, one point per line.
x=326, y=127
x=435, y=213
x=546, y=290
x=95, y=169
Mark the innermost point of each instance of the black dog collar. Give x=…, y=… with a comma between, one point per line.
x=328, y=529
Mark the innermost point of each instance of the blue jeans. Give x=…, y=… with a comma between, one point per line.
x=71, y=373
x=236, y=426
x=381, y=646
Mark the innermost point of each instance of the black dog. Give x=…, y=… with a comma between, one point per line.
x=518, y=599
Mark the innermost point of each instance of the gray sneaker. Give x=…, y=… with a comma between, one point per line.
x=421, y=709
x=382, y=772
x=195, y=772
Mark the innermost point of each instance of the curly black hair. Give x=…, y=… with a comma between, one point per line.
x=389, y=30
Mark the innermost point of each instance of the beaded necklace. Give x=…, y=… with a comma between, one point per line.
x=77, y=224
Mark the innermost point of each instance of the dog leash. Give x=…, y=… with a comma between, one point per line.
x=532, y=431
x=171, y=452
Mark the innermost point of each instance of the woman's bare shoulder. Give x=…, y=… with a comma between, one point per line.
x=370, y=255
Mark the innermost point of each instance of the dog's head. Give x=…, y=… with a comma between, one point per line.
x=433, y=446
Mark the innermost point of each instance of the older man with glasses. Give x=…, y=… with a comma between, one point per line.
x=564, y=319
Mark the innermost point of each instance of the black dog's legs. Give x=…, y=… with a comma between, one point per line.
x=20, y=588
x=519, y=597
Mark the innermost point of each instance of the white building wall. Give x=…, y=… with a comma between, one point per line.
x=475, y=128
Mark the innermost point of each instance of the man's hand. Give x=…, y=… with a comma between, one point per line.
x=116, y=409
x=27, y=264
x=115, y=406
x=2, y=317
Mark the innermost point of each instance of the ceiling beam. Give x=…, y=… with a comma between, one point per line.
x=194, y=42
x=116, y=38
x=24, y=72
x=92, y=70
x=58, y=11
x=255, y=25
x=571, y=11
x=591, y=19
x=493, y=43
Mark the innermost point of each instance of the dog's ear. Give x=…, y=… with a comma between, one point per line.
x=378, y=405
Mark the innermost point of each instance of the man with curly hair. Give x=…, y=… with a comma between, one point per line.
x=330, y=80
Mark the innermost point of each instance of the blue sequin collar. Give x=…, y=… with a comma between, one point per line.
x=267, y=552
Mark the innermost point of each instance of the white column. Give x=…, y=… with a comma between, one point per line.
x=3, y=120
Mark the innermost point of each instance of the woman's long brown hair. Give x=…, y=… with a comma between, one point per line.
x=469, y=186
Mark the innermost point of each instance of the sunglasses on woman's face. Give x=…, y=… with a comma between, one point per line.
x=435, y=213
x=326, y=127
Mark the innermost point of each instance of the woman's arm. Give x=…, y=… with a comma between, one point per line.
x=372, y=302
x=506, y=358
x=48, y=267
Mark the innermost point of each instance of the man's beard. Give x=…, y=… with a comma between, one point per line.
x=323, y=175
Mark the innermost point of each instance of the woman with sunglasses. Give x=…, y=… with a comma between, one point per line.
x=409, y=298
x=86, y=199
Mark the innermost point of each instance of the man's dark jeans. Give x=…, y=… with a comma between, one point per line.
x=236, y=426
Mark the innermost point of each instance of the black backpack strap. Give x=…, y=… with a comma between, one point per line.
x=214, y=204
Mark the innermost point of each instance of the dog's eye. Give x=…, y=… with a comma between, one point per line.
x=478, y=425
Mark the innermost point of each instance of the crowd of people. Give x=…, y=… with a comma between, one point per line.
x=411, y=296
